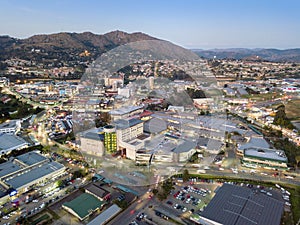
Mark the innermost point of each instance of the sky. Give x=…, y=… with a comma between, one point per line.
x=203, y=24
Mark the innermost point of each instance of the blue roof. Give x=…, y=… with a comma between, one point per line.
x=123, y=124
x=33, y=174
x=94, y=136
x=31, y=158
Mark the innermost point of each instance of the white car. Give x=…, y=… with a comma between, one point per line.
x=35, y=200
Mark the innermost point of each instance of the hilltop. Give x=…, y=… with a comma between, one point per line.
x=62, y=46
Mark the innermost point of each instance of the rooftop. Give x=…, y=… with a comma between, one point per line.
x=9, y=124
x=123, y=124
x=258, y=142
x=8, y=141
x=7, y=168
x=83, y=205
x=33, y=174
x=185, y=147
x=209, y=144
x=94, y=136
x=125, y=110
x=155, y=125
x=235, y=205
x=31, y=158
x=106, y=215
x=270, y=154
x=160, y=145
x=97, y=190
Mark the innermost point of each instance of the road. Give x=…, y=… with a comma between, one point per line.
x=244, y=173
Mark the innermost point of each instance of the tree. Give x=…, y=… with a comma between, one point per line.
x=155, y=191
x=281, y=118
x=185, y=175
x=46, y=149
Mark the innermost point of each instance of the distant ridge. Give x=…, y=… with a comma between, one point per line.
x=273, y=55
x=60, y=44
x=68, y=46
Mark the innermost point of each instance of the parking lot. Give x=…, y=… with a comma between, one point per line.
x=190, y=197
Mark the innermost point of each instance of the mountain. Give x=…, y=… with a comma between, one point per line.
x=63, y=45
x=67, y=47
x=274, y=55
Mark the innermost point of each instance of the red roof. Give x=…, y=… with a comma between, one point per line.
x=145, y=113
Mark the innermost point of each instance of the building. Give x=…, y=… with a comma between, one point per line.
x=125, y=112
x=10, y=127
x=125, y=92
x=155, y=126
x=98, y=192
x=92, y=143
x=83, y=206
x=160, y=149
x=110, y=138
x=254, y=141
x=10, y=142
x=128, y=129
x=25, y=170
x=128, y=133
x=106, y=215
x=114, y=80
x=184, y=151
x=151, y=82
x=235, y=205
x=264, y=157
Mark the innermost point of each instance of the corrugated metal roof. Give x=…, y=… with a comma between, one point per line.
x=235, y=205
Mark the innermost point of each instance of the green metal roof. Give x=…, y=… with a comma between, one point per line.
x=84, y=205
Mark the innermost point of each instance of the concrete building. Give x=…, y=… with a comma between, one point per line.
x=263, y=157
x=160, y=149
x=10, y=142
x=130, y=136
x=128, y=129
x=125, y=112
x=184, y=151
x=10, y=127
x=151, y=82
x=125, y=92
x=92, y=143
x=252, y=141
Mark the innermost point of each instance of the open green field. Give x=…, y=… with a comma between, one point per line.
x=292, y=109
x=262, y=97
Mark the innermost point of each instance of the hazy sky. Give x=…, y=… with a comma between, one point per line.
x=189, y=23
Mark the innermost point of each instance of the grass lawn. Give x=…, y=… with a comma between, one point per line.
x=44, y=217
x=292, y=109
x=263, y=97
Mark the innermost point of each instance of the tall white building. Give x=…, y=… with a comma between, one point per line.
x=129, y=129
